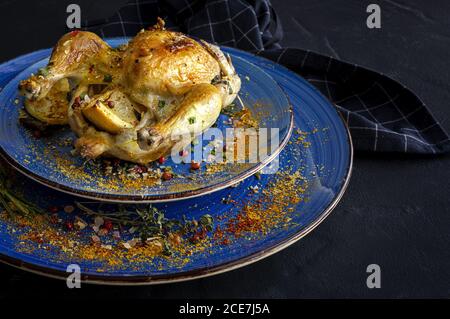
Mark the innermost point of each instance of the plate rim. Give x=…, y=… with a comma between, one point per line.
x=165, y=198
x=206, y=271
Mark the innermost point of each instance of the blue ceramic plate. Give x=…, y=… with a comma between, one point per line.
x=49, y=161
x=314, y=170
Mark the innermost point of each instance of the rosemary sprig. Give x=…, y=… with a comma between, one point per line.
x=151, y=222
x=15, y=204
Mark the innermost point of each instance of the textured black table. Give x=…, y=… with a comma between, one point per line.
x=396, y=210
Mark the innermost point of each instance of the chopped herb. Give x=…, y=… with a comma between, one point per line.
x=191, y=120
x=161, y=104
x=151, y=222
x=107, y=78
x=206, y=221
x=13, y=203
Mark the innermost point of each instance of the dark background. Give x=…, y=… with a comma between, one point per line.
x=395, y=212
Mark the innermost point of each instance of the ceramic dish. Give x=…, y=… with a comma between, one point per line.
x=257, y=218
x=48, y=159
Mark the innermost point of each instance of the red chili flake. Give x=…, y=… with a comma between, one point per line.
x=218, y=234
x=161, y=160
x=54, y=218
x=199, y=235
x=108, y=225
x=140, y=169
x=195, y=165
x=166, y=176
x=74, y=32
x=53, y=209
x=69, y=226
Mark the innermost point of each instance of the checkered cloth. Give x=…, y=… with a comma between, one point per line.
x=383, y=115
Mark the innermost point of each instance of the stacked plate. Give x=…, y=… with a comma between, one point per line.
x=118, y=225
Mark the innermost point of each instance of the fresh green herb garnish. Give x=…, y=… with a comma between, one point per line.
x=161, y=104
x=207, y=222
x=191, y=120
x=152, y=223
x=14, y=203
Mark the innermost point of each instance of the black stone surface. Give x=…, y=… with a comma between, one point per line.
x=396, y=210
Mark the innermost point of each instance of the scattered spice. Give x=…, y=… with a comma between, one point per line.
x=167, y=176
x=69, y=226
x=270, y=211
x=195, y=165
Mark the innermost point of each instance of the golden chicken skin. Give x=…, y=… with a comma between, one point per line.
x=137, y=101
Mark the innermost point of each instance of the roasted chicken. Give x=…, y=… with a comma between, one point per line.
x=137, y=101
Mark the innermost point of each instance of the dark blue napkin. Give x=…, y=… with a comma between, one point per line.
x=382, y=114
